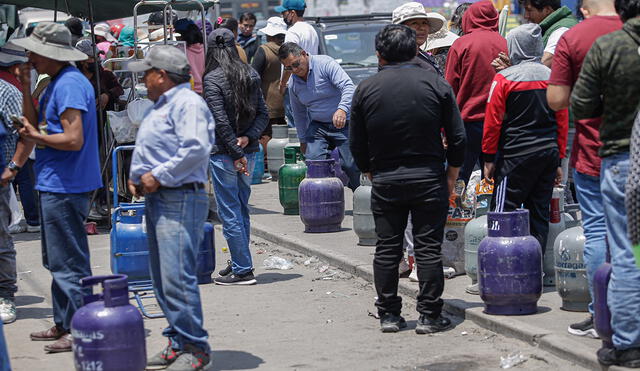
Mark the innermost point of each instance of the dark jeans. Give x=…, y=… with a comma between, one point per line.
x=391, y=203
x=23, y=184
x=8, y=276
x=529, y=181
x=65, y=251
x=473, y=152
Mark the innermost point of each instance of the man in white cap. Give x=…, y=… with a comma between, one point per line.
x=67, y=169
x=414, y=16
x=170, y=167
x=268, y=66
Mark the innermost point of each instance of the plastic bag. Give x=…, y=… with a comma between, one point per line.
x=137, y=110
x=469, y=197
x=16, y=211
x=123, y=130
x=276, y=262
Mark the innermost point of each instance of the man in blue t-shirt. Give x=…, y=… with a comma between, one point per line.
x=67, y=168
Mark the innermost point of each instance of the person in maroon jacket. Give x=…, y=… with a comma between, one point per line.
x=530, y=137
x=469, y=72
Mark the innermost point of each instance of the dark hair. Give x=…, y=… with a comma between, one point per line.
x=396, y=43
x=238, y=75
x=288, y=49
x=299, y=13
x=541, y=4
x=248, y=17
x=627, y=9
x=230, y=24
x=456, y=17
x=192, y=35
x=178, y=79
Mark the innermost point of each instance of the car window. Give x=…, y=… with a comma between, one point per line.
x=353, y=46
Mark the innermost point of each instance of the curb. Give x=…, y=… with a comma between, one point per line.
x=561, y=346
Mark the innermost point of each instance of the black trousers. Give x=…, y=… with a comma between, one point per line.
x=473, y=152
x=391, y=203
x=528, y=181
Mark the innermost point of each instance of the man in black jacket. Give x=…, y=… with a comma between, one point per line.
x=396, y=124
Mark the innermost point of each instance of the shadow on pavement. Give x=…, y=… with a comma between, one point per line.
x=25, y=237
x=22, y=300
x=34, y=313
x=276, y=277
x=235, y=360
x=259, y=211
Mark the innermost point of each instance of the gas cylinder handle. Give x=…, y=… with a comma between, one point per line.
x=94, y=280
x=114, y=289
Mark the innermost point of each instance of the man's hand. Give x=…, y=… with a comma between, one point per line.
x=241, y=165
x=134, y=188
x=149, y=183
x=243, y=141
x=339, y=119
x=7, y=176
x=559, y=176
x=501, y=62
x=28, y=132
x=24, y=74
x=103, y=100
x=452, y=177
x=283, y=87
x=489, y=169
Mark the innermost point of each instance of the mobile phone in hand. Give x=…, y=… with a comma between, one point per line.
x=17, y=123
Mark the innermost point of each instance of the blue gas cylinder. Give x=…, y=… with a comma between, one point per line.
x=258, y=169
x=129, y=249
x=108, y=332
x=206, y=262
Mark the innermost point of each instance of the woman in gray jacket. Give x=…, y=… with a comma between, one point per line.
x=232, y=92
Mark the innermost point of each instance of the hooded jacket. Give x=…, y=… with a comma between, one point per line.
x=561, y=17
x=468, y=69
x=518, y=120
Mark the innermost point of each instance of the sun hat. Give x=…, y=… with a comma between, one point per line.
x=415, y=10
x=442, y=38
x=291, y=5
x=103, y=30
x=12, y=54
x=85, y=46
x=275, y=26
x=221, y=38
x=51, y=40
x=163, y=57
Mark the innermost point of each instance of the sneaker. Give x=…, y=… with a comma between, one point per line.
x=584, y=328
x=427, y=325
x=473, y=289
x=7, y=310
x=392, y=323
x=163, y=359
x=17, y=228
x=33, y=229
x=191, y=359
x=236, y=279
x=413, y=277
x=625, y=358
x=226, y=270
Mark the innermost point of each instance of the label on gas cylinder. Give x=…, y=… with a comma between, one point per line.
x=555, y=211
x=87, y=337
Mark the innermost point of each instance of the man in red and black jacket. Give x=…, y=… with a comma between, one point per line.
x=529, y=137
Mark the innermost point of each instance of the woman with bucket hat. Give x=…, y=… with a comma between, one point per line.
x=67, y=169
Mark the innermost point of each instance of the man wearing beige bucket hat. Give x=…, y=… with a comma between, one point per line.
x=67, y=169
x=413, y=15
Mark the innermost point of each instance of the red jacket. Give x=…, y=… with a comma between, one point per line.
x=469, y=69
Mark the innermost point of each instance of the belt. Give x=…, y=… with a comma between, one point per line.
x=187, y=186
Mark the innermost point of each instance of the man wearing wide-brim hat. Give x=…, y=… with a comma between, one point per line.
x=67, y=169
x=413, y=15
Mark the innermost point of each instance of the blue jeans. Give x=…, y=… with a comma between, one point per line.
x=593, y=222
x=65, y=251
x=8, y=276
x=624, y=287
x=5, y=365
x=175, y=228
x=23, y=183
x=232, y=191
x=320, y=135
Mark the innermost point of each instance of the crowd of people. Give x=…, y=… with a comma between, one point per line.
x=552, y=104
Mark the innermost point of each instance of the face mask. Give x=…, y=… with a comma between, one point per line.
x=287, y=20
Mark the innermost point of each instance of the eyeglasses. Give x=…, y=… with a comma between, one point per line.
x=294, y=65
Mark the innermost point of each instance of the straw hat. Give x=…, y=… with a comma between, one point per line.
x=53, y=41
x=442, y=38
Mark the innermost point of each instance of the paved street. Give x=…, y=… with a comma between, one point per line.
x=292, y=319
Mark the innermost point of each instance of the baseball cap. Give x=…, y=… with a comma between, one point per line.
x=163, y=57
x=291, y=5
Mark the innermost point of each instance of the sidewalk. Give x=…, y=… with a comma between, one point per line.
x=547, y=329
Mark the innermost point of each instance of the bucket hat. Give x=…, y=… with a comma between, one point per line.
x=85, y=46
x=415, y=10
x=53, y=41
x=442, y=38
x=291, y=5
x=103, y=30
x=275, y=26
x=163, y=57
x=12, y=54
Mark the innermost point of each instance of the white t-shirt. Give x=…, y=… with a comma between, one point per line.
x=553, y=40
x=303, y=34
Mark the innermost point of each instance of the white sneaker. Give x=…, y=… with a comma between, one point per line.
x=33, y=229
x=7, y=310
x=17, y=228
x=413, y=277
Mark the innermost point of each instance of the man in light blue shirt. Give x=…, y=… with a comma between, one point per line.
x=169, y=167
x=320, y=93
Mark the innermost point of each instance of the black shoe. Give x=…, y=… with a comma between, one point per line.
x=236, y=279
x=391, y=323
x=226, y=270
x=428, y=325
x=625, y=358
x=584, y=328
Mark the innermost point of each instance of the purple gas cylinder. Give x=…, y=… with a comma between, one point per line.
x=602, y=314
x=509, y=265
x=340, y=174
x=321, y=198
x=108, y=332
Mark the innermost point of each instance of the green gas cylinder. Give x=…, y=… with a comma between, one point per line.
x=290, y=174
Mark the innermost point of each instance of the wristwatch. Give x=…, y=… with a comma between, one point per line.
x=12, y=166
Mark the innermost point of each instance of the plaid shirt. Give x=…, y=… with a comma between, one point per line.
x=11, y=103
